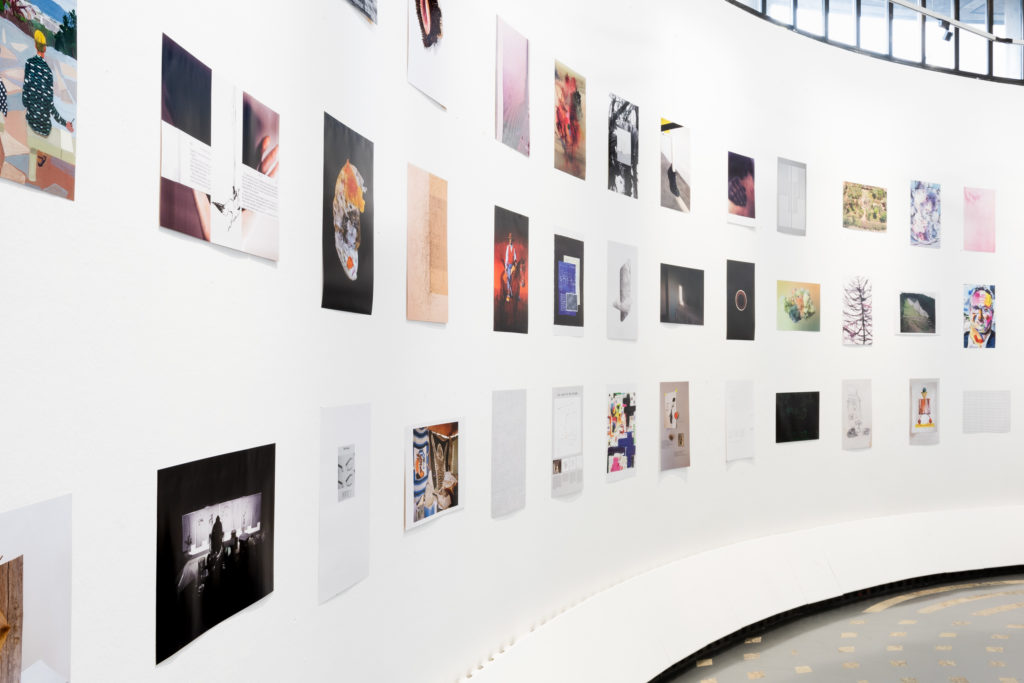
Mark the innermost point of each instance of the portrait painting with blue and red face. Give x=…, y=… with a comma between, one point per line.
x=979, y=316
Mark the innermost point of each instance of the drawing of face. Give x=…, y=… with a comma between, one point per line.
x=981, y=313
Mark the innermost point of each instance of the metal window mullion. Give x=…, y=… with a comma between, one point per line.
x=891, y=10
x=956, y=37
x=990, y=20
x=856, y=11
x=924, y=26
x=824, y=8
x=764, y=7
x=792, y=16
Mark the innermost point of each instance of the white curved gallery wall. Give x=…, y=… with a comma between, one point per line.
x=130, y=348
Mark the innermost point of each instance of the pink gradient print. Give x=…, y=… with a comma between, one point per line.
x=513, y=53
x=979, y=219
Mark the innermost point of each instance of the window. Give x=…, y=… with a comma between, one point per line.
x=781, y=10
x=810, y=16
x=874, y=26
x=1007, y=60
x=842, y=21
x=938, y=40
x=906, y=34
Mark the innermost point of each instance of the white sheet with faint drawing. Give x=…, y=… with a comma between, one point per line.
x=986, y=412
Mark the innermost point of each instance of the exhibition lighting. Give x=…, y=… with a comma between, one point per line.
x=945, y=22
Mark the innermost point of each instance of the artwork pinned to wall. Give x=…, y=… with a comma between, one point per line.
x=740, y=190
x=979, y=316
x=429, y=68
x=979, y=219
x=857, y=427
x=864, y=207
x=622, y=276
x=426, y=247
x=511, y=271
x=987, y=412
x=512, y=92
x=798, y=308
x=431, y=473
x=566, y=441
x=682, y=295
x=675, y=166
x=12, y=617
x=792, y=197
x=739, y=300
x=858, y=313
x=568, y=289
x=796, y=416
x=621, y=432
x=925, y=214
x=623, y=146
x=917, y=313
x=215, y=543
x=924, y=412
x=367, y=7
x=570, y=121
x=344, y=558
x=508, y=452
x=347, y=219
x=739, y=420
x=675, y=425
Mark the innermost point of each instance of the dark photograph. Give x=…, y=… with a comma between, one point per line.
x=682, y=295
x=568, y=281
x=623, y=146
x=796, y=416
x=739, y=300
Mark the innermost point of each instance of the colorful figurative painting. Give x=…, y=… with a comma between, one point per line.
x=740, y=190
x=621, y=432
x=512, y=109
x=570, y=121
x=623, y=146
x=979, y=316
x=858, y=313
x=924, y=411
x=675, y=166
x=432, y=473
x=917, y=313
x=979, y=219
x=511, y=271
x=799, y=306
x=925, y=214
x=864, y=207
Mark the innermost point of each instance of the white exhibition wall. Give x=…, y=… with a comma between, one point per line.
x=130, y=348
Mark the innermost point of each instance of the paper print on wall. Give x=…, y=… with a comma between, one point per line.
x=924, y=411
x=508, y=452
x=979, y=219
x=429, y=52
x=864, y=207
x=796, y=416
x=739, y=420
x=675, y=166
x=570, y=121
x=739, y=300
x=792, y=197
x=925, y=214
x=740, y=190
x=431, y=473
x=568, y=290
x=621, y=312
x=858, y=314
x=511, y=271
x=367, y=7
x=215, y=543
x=987, y=412
x=512, y=109
x=798, y=307
x=856, y=414
x=347, y=219
x=621, y=433
x=675, y=425
x=682, y=295
x=623, y=146
x=426, y=247
x=917, y=313
x=979, y=311
x=566, y=441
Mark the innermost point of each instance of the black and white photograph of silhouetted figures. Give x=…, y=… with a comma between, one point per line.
x=215, y=543
x=623, y=146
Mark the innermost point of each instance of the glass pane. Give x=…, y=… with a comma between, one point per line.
x=842, y=23
x=1006, y=59
x=809, y=16
x=906, y=34
x=752, y=4
x=938, y=52
x=874, y=26
x=973, y=52
x=782, y=10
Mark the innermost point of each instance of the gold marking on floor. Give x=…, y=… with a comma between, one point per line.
x=907, y=622
x=947, y=662
x=898, y=662
x=753, y=640
x=898, y=634
x=894, y=648
x=899, y=599
x=846, y=648
x=996, y=610
x=1007, y=680
x=931, y=609
x=750, y=655
x=958, y=679
x=992, y=648
x=851, y=665
x=960, y=623
x=858, y=621
x=1015, y=626
x=754, y=675
x=947, y=635
x=908, y=680
x=943, y=648
x=709, y=680
x=703, y=662
x=1000, y=636
x=848, y=634
x=802, y=669
x=996, y=663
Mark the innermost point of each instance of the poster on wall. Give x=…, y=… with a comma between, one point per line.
x=682, y=295
x=917, y=313
x=925, y=214
x=924, y=412
x=429, y=68
x=512, y=91
x=675, y=425
x=367, y=7
x=858, y=314
x=979, y=316
x=623, y=146
x=622, y=274
x=739, y=420
x=431, y=473
x=426, y=269
x=864, y=207
x=511, y=271
x=796, y=416
x=739, y=300
x=857, y=428
x=568, y=289
x=215, y=543
x=570, y=121
x=675, y=166
x=987, y=412
x=344, y=558
x=218, y=158
x=740, y=190
x=798, y=306
x=792, y=197
x=621, y=432
x=35, y=593
x=508, y=452
x=566, y=441
x=979, y=219
x=347, y=219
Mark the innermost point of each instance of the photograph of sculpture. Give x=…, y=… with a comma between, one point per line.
x=566, y=441
x=511, y=271
x=979, y=316
x=431, y=473
x=858, y=314
x=682, y=295
x=979, y=219
x=917, y=313
x=799, y=306
x=426, y=271
x=430, y=56
x=739, y=300
x=621, y=433
x=675, y=166
x=512, y=91
x=740, y=190
x=864, y=207
x=856, y=414
x=925, y=214
x=924, y=412
x=796, y=416
x=675, y=425
x=621, y=309
x=367, y=7
x=570, y=121
x=623, y=146
x=347, y=219
x=568, y=289
x=792, y=197
x=215, y=543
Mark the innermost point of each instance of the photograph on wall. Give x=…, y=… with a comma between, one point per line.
x=508, y=452
x=796, y=416
x=858, y=320
x=987, y=412
x=979, y=316
x=512, y=91
x=429, y=68
x=798, y=308
x=566, y=441
x=426, y=270
x=347, y=219
x=215, y=543
x=623, y=146
x=682, y=295
x=739, y=300
x=740, y=190
x=675, y=425
x=367, y=7
x=979, y=219
x=622, y=308
x=511, y=271
x=570, y=121
x=739, y=420
x=925, y=214
x=431, y=473
x=39, y=95
x=917, y=313
x=924, y=412
x=856, y=414
x=344, y=558
x=675, y=166
x=792, y=197
x=864, y=207
x=568, y=288
x=621, y=431
x=35, y=593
